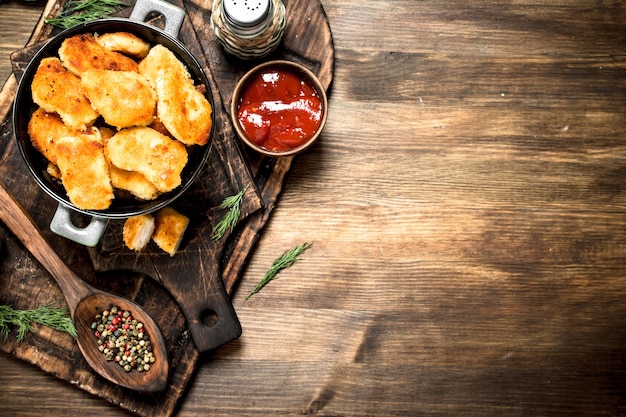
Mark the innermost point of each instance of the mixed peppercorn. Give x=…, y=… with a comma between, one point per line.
x=121, y=338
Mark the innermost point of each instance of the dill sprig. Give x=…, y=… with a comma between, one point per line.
x=54, y=317
x=230, y=219
x=284, y=261
x=79, y=11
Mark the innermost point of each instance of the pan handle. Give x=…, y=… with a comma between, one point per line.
x=174, y=15
x=89, y=235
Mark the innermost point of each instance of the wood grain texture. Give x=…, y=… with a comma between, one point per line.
x=14, y=36
x=466, y=204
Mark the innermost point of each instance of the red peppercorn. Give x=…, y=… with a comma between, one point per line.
x=112, y=327
x=126, y=326
x=120, y=313
x=97, y=333
x=141, y=330
x=115, y=320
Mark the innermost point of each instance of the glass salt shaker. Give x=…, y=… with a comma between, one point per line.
x=248, y=29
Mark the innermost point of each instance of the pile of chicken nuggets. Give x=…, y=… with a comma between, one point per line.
x=116, y=113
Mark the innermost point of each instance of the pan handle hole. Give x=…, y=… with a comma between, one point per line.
x=156, y=19
x=209, y=317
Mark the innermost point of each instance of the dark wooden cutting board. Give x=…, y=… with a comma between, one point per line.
x=152, y=278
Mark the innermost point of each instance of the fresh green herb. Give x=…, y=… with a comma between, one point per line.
x=79, y=11
x=54, y=317
x=284, y=261
x=233, y=204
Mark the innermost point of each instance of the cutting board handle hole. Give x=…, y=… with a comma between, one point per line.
x=209, y=317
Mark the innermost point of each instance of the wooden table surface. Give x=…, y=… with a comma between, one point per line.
x=467, y=206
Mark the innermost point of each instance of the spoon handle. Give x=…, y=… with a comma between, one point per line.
x=22, y=225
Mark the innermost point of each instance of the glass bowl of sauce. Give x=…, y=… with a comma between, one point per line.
x=279, y=108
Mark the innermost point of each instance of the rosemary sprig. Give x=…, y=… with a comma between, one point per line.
x=284, y=261
x=54, y=317
x=79, y=11
x=230, y=219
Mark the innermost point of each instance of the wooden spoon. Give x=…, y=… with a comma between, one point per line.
x=85, y=302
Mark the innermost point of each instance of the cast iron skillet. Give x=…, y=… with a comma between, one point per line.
x=23, y=107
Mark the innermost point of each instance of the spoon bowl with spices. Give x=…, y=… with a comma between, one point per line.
x=110, y=329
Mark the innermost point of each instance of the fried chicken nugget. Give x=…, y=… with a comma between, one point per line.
x=157, y=157
x=169, y=229
x=130, y=181
x=133, y=182
x=44, y=129
x=183, y=110
x=57, y=90
x=138, y=231
x=123, y=98
x=125, y=43
x=84, y=171
x=82, y=52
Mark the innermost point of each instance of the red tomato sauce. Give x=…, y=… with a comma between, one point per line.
x=278, y=110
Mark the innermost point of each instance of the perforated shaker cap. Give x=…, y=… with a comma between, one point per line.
x=246, y=13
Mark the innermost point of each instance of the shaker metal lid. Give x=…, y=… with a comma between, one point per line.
x=246, y=13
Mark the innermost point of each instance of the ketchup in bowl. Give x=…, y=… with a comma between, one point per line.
x=279, y=110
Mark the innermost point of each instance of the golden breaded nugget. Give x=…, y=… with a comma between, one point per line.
x=169, y=228
x=138, y=231
x=157, y=157
x=183, y=110
x=125, y=43
x=57, y=90
x=82, y=52
x=130, y=181
x=133, y=182
x=44, y=129
x=123, y=98
x=84, y=171
x=159, y=63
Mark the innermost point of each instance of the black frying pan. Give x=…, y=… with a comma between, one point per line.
x=23, y=107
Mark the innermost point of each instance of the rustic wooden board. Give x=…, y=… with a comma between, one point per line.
x=307, y=40
x=152, y=278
